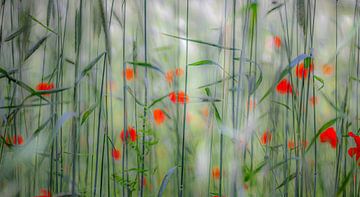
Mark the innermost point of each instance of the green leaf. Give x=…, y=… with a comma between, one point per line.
x=202, y=42
x=35, y=47
x=89, y=67
x=274, y=8
x=287, y=179
x=217, y=114
x=87, y=113
x=204, y=62
x=41, y=24
x=146, y=65
x=320, y=80
x=282, y=104
x=325, y=126
x=15, y=33
x=157, y=100
x=345, y=182
x=165, y=181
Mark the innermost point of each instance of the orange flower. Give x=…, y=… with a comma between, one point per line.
x=277, y=41
x=169, y=76
x=129, y=74
x=313, y=100
x=44, y=193
x=284, y=87
x=43, y=86
x=251, y=104
x=215, y=173
x=182, y=98
x=131, y=132
x=159, y=116
x=327, y=69
x=116, y=154
x=179, y=72
x=266, y=137
x=291, y=144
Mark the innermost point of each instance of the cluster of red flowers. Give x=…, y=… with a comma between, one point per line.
x=15, y=140
x=179, y=97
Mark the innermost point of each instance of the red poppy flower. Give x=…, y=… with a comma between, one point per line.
x=131, y=132
x=266, y=137
x=329, y=135
x=129, y=74
x=302, y=72
x=355, y=150
x=179, y=72
x=159, y=116
x=116, y=154
x=291, y=144
x=277, y=41
x=169, y=76
x=284, y=87
x=215, y=173
x=179, y=97
x=16, y=140
x=44, y=193
x=43, y=86
x=144, y=182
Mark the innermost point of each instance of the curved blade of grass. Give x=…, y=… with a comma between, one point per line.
x=87, y=113
x=282, y=104
x=217, y=114
x=89, y=67
x=202, y=42
x=35, y=47
x=287, y=180
x=15, y=33
x=41, y=24
x=147, y=65
x=165, y=181
x=157, y=100
x=345, y=182
x=274, y=8
x=320, y=80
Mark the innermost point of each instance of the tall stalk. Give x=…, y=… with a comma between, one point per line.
x=182, y=188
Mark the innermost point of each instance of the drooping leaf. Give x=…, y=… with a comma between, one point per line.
x=165, y=181
x=87, y=113
x=202, y=42
x=89, y=67
x=147, y=65
x=320, y=80
x=41, y=24
x=35, y=47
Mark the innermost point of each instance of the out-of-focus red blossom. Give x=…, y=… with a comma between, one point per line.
x=246, y=186
x=129, y=74
x=291, y=144
x=44, y=193
x=266, y=137
x=16, y=140
x=159, y=116
x=284, y=87
x=179, y=72
x=169, y=76
x=305, y=143
x=179, y=97
x=277, y=41
x=215, y=173
x=131, y=132
x=355, y=150
x=302, y=72
x=144, y=182
x=327, y=69
x=329, y=135
x=116, y=154
x=313, y=100
x=43, y=86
